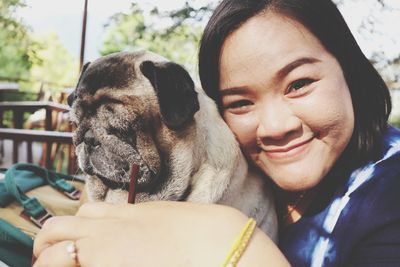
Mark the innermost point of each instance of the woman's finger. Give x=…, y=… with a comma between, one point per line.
x=61, y=254
x=62, y=228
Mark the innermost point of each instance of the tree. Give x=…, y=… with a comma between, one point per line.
x=17, y=51
x=32, y=60
x=55, y=66
x=373, y=31
x=173, y=34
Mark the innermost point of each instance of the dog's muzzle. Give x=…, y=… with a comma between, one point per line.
x=100, y=160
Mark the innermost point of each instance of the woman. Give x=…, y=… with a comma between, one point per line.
x=310, y=111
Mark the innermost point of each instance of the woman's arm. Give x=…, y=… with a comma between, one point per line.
x=151, y=234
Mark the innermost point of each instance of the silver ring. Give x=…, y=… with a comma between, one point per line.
x=73, y=252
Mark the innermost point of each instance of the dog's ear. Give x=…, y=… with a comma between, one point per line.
x=72, y=96
x=175, y=92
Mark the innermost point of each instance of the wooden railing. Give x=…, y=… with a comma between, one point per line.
x=48, y=136
x=20, y=107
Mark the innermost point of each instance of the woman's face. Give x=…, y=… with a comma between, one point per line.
x=285, y=98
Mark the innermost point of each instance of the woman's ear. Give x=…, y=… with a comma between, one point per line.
x=175, y=92
x=72, y=96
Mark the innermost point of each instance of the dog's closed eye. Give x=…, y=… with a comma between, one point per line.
x=109, y=108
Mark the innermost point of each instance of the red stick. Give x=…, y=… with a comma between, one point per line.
x=132, y=183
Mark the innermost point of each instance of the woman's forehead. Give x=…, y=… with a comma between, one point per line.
x=270, y=40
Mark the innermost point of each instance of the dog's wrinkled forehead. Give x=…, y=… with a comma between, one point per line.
x=145, y=75
x=113, y=71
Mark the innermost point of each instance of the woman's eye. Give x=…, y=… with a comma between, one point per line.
x=239, y=105
x=298, y=84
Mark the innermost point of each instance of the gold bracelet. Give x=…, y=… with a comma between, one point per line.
x=240, y=244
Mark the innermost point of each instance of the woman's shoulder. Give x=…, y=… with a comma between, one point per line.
x=377, y=184
x=385, y=170
x=373, y=191
x=389, y=165
x=391, y=142
x=374, y=209
x=365, y=219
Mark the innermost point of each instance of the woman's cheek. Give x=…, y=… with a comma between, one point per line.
x=336, y=115
x=244, y=127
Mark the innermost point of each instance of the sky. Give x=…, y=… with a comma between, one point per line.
x=65, y=19
x=387, y=38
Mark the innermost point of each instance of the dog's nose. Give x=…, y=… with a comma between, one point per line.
x=90, y=139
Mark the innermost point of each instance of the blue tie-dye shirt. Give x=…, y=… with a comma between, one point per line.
x=360, y=225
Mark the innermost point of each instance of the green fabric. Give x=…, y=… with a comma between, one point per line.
x=54, y=179
x=29, y=176
x=63, y=185
x=31, y=205
x=26, y=180
x=15, y=246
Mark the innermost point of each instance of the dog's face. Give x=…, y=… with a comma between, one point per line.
x=130, y=108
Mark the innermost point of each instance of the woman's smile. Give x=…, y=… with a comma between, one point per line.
x=291, y=152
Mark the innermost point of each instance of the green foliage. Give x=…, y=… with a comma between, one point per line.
x=123, y=31
x=54, y=64
x=32, y=60
x=167, y=34
x=16, y=53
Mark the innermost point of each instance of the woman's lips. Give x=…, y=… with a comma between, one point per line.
x=289, y=151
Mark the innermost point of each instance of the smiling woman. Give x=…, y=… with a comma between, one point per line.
x=296, y=107
x=310, y=113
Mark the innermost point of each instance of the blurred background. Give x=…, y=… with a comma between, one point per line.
x=43, y=44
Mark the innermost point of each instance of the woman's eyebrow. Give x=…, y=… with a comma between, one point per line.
x=277, y=77
x=233, y=91
x=295, y=64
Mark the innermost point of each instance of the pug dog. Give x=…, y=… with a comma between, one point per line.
x=139, y=108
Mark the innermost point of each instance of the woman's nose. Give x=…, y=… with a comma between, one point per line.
x=277, y=121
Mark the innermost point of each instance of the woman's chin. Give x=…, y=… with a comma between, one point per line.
x=295, y=181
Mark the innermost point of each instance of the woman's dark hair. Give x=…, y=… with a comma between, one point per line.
x=369, y=93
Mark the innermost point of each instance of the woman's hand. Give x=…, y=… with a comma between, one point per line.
x=150, y=234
